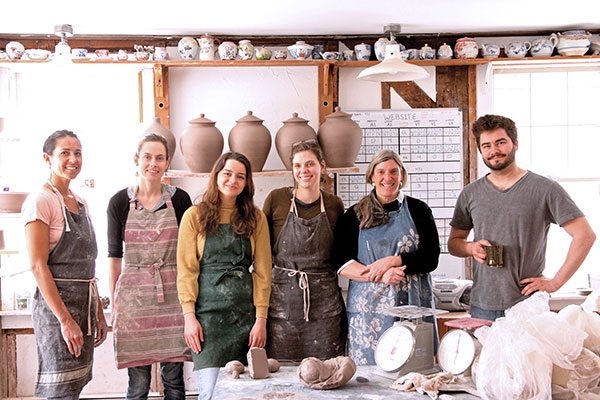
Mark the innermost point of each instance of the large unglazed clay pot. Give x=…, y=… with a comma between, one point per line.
x=160, y=129
x=201, y=144
x=251, y=138
x=294, y=130
x=340, y=138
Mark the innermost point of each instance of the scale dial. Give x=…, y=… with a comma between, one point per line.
x=395, y=347
x=457, y=351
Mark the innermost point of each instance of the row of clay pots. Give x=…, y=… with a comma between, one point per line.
x=202, y=143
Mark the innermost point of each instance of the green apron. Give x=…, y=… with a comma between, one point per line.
x=224, y=307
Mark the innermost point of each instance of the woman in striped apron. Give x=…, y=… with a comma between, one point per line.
x=224, y=271
x=68, y=320
x=147, y=318
x=306, y=312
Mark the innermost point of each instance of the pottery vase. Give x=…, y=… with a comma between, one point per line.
x=228, y=51
x=294, y=130
x=251, y=138
x=201, y=144
x=160, y=129
x=245, y=50
x=466, y=48
x=188, y=48
x=340, y=138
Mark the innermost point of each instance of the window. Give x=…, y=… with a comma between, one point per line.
x=556, y=112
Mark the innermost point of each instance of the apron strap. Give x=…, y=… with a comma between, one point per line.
x=62, y=203
x=293, y=205
x=92, y=295
x=303, y=285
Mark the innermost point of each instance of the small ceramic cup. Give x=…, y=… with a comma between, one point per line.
x=160, y=53
x=122, y=55
x=280, y=54
x=363, y=52
x=101, y=53
x=348, y=55
x=78, y=53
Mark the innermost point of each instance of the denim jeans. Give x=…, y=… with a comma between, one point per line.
x=207, y=379
x=490, y=315
x=172, y=379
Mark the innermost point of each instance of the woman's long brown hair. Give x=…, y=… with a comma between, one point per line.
x=244, y=218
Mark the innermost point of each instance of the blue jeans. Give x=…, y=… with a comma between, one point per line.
x=172, y=379
x=490, y=315
x=207, y=379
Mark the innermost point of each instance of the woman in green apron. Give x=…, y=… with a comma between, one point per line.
x=306, y=312
x=146, y=218
x=68, y=320
x=224, y=271
x=387, y=244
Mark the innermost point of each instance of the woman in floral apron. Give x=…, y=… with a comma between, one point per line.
x=306, y=314
x=147, y=318
x=224, y=271
x=386, y=244
x=68, y=320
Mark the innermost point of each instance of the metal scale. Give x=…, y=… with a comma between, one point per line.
x=408, y=345
x=459, y=348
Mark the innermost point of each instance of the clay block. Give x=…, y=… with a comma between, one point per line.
x=257, y=363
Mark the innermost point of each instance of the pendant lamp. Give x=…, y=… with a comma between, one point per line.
x=393, y=68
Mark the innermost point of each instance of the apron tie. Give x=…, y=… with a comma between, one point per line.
x=304, y=286
x=160, y=290
x=237, y=272
x=92, y=295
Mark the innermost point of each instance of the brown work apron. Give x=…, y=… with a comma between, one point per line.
x=306, y=311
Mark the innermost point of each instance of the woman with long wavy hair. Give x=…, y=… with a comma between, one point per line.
x=224, y=271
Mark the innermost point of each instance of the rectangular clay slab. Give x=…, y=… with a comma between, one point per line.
x=257, y=363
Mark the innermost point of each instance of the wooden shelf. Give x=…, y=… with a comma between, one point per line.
x=279, y=172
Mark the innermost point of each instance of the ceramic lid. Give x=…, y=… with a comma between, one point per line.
x=295, y=118
x=338, y=114
x=250, y=118
x=202, y=120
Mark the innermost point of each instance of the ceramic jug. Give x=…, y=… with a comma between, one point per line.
x=262, y=53
x=300, y=50
x=201, y=144
x=466, y=48
x=427, y=53
x=517, y=49
x=380, y=47
x=572, y=43
x=188, y=48
x=294, y=130
x=228, y=51
x=251, y=138
x=490, y=50
x=445, y=52
x=340, y=138
x=208, y=47
x=543, y=47
x=160, y=129
x=245, y=50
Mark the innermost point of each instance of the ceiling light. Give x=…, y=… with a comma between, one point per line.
x=393, y=68
x=62, y=51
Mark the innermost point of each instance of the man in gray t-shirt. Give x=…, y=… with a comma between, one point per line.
x=512, y=207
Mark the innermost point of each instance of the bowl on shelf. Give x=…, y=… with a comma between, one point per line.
x=595, y=46
x=11, y=202
x=583, y=291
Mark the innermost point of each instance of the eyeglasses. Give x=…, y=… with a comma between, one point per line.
x=305, y=141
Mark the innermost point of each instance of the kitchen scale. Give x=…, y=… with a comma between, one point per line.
x=459, y=348
x=408, y=345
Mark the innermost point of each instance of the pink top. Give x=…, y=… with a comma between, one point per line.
x=46, y=206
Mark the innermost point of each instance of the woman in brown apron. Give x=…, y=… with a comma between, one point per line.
x=224, y=271
x=147, y=318
x=306, y=312
x=67, y=316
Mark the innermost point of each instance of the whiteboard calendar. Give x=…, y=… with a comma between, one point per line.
x=429, y=142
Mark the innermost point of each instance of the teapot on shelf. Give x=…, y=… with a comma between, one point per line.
x=517, y=49
x=572, y=43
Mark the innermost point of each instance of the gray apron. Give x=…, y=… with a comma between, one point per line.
x=224, y=307
x=306, y=311
x=367, y=299
x=73, y=265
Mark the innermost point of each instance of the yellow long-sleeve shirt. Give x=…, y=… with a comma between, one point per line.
x=190, y=246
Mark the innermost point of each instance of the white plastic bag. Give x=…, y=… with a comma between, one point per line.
x=519, y=350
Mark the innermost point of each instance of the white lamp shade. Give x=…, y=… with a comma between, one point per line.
x=393, y=68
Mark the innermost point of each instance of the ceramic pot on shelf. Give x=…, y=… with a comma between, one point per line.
x=228, y=51
x=300, y=50
x=201, y=144
x=517, y=49
x=572, y=43
x=251, y=138
x=294, y=130
x=543, y=47
x=208, y=48
x=490, y=50
x=340, y=138
x=160, y=129
x=245, y=50
x=466, y=48
x=188, y=48
x=445, y=52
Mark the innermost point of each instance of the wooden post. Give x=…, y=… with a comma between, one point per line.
x=327, y=87
x=8, y=365
x=161, y=94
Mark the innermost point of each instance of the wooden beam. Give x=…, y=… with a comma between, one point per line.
x=386, y=96
x=161, y=94
x=327, y=85
x=412, y=94
x=473, y=152
x=8, y=365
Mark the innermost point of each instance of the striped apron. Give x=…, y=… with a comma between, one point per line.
x=148, y=318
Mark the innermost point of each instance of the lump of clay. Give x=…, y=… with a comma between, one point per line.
x=273, y=365
x=257, y=363
x=235, y=368
x=328, y=374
